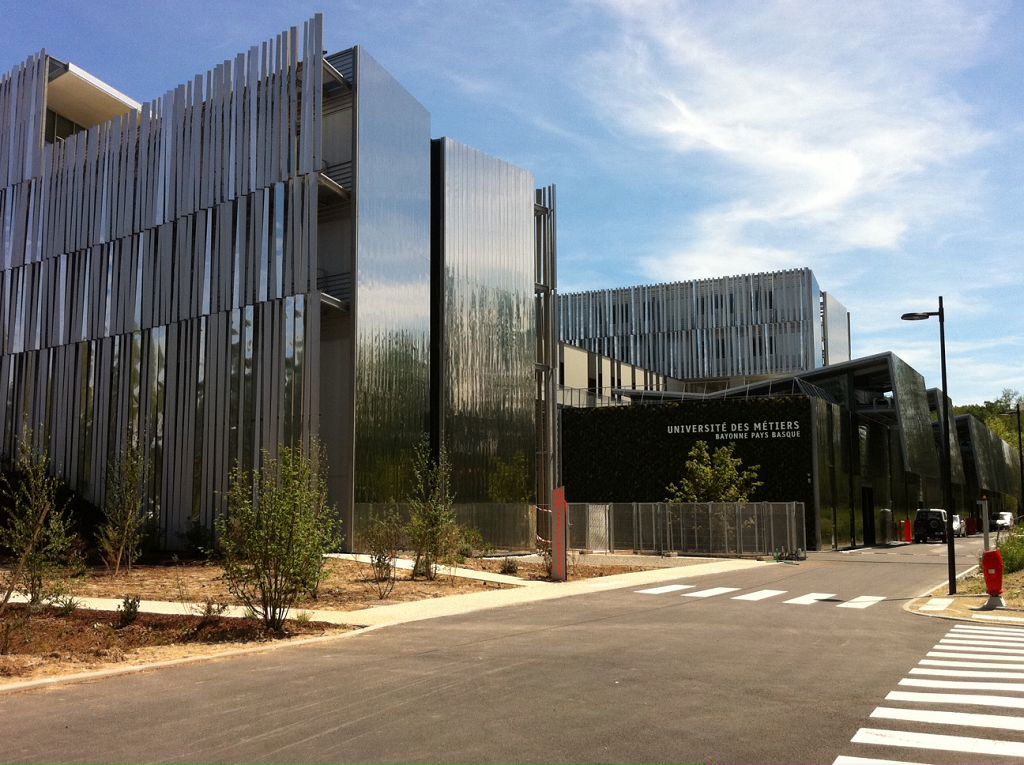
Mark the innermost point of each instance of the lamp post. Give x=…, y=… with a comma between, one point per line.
x=947, y=487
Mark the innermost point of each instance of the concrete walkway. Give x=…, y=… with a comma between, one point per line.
x=451, y=605
x=466, y=573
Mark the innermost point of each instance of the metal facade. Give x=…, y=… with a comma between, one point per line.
x=157, y=279
x=392, y=266
x=835, y=323
x=756, y=324
x=485, y=346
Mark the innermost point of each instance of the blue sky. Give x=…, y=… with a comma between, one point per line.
x=879, y=143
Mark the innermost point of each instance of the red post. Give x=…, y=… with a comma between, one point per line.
x=908, y=531
x=559, y=534
x=992, y=564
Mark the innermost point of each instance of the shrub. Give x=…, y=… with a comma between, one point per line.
x=276, y=531
x=124, y=516
x=128, y=611
x=198, y=540
x=383, y=539
x=510, y=566
x=1012, y=550
x=66, y=604
x=37, y=534
x=432, y=529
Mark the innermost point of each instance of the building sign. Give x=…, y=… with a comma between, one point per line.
x=740, y=431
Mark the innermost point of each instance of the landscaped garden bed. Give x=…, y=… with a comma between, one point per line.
x=347, y=586
x=49, y=641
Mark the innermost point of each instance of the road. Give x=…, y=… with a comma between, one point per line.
x=617, y=676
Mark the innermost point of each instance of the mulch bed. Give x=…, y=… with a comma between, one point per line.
x=347, y=587
x=93, y=637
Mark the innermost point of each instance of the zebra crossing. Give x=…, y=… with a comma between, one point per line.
x=972, y=682
x=808, y=599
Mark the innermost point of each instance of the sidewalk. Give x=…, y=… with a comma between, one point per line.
x=443, y=570
x=451, y=605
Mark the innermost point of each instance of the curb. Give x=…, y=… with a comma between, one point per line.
x=99, y=674
x=939, y=615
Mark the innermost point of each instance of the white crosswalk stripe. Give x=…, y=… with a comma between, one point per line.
x=953, y=654
x=968, y=667
x=937, y=604
x=862, y=601
x=810, y=598
x=974, y=699
x=985, y=639
x=759, y=595
x=710, y=593
x=988, y=629
x=962, y=685
x=937, y=741
x=961, y=645
x=966, y=673
x=844, y=760
x=666, y=588
x=858, y=602
x=974, y=664
x=1004, y=722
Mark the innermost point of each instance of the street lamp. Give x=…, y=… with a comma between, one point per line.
x=947, y=487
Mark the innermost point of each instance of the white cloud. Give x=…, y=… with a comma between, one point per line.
x=828, y=123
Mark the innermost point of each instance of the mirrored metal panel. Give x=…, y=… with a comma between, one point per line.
x=392, y=279
x=484, y=290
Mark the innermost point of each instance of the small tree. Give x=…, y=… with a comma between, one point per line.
x=383, y=539
x=432, y=529
x=714, y=477
x=277, y=529
x=124, y=517
x=37, y=533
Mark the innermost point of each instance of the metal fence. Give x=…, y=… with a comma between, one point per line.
x=729, y=528
x=504, y=526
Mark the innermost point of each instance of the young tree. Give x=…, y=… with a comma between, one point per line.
x=714, y=477
x=278, y=526
x=37, y=533
x=124, y=517
x=383, y=539
x=432, y=528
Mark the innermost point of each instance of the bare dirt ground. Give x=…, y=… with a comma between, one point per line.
x=348, y=586
x=49, y=642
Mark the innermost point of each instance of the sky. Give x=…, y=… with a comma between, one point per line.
x=878, y=143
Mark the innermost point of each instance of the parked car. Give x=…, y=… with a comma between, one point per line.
x=930, y=523
x=959, y=527
x=1000, y=521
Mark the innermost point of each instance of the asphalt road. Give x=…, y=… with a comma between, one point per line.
x=616, y=676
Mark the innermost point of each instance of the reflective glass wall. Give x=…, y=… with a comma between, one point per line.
x=484, y=324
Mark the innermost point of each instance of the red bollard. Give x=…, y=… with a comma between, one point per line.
x=907, y=532
x=992, y=563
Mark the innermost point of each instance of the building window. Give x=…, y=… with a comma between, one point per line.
x=58, y=128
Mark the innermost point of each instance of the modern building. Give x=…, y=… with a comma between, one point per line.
x=723, y=331
x=588, y=379
x=259, y=258
x=855, y=442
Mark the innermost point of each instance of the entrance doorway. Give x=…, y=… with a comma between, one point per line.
x=867, y=509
